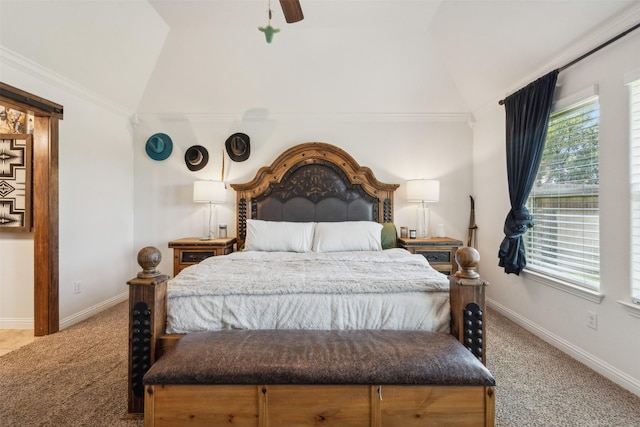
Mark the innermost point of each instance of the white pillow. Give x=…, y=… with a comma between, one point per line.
x=347, y=236
x=276, y=236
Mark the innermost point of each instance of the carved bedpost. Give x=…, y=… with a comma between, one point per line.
x=468, y=303
x=147, y=318
x=242, y=222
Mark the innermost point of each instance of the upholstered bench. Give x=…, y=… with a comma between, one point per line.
x=306, y=377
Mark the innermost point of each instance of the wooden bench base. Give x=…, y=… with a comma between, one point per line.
x=326, y=405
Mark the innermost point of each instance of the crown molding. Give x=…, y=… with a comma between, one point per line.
x=596, y=37
x=25, y=65
x=608, y=30
x=14, y=60
x=264, y=115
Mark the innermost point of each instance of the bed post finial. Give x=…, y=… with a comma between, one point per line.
x=149, y=258
x=467, y=299
x=147, y=322
x=467, y=259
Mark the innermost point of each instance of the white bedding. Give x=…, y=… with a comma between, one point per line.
x=390, y=289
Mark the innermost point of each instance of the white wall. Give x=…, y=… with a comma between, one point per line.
x=96, y=205
x=16, y=281
x=396, y=148
x=555, y=315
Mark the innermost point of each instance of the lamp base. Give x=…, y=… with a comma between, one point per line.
x=423, y=222
x=207, y=221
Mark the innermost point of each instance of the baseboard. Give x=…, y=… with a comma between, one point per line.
x=27, y=323
x=16, y=323
x=598, y=365
x=95, y=309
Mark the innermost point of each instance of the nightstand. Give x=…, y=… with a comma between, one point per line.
x=439, y=251
x=192, y=250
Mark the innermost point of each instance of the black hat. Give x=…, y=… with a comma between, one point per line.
x=196, y=157
x=238, y=147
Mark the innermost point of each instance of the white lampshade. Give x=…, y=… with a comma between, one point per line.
x=423, y=190
x=209, y=192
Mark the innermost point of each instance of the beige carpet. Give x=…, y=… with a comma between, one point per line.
x=538, y=385
x=78, y=378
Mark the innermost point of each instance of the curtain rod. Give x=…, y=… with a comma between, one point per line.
x=30, y=101
x=592, y=51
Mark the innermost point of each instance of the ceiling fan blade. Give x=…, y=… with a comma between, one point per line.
x=292, y=10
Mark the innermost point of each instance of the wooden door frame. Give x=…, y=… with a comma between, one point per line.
x=45, y=197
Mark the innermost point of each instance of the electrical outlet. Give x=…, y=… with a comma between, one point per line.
x=77, y=289
x=592, y=320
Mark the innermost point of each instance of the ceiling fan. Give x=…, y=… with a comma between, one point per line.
x=292, y=10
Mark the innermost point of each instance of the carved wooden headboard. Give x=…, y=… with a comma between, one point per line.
x=313, y=181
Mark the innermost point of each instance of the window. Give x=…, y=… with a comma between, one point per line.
x=564, y=242
x=635, y=189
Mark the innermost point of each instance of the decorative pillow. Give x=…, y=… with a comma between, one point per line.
x=347, y=236
x=277, y=236
x=389, y=238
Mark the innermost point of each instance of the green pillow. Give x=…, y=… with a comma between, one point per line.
x=389, y=238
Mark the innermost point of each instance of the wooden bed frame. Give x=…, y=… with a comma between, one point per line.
x=304, y=182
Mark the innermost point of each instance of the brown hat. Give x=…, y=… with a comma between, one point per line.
x=238, y=147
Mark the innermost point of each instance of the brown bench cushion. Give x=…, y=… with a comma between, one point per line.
x=319, y=357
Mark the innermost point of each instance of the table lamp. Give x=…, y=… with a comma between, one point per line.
x=423, y=191
x=211, y=192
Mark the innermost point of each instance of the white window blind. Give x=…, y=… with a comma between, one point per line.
x=564, y=242
x=635, y=189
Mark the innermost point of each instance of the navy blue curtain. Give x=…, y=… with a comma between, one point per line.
x=527, y=118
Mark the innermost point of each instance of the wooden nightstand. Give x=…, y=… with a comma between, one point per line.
x=192, y=250
x=439, y=251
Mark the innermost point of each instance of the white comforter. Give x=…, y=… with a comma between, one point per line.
x=390, y=289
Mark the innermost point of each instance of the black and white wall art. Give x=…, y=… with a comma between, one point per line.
x=15, y=182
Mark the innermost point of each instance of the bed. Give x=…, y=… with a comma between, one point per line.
x=317, y=245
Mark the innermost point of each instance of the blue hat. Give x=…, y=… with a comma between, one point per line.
x=159, y=146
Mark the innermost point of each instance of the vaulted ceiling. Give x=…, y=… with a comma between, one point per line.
x=346, y=56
